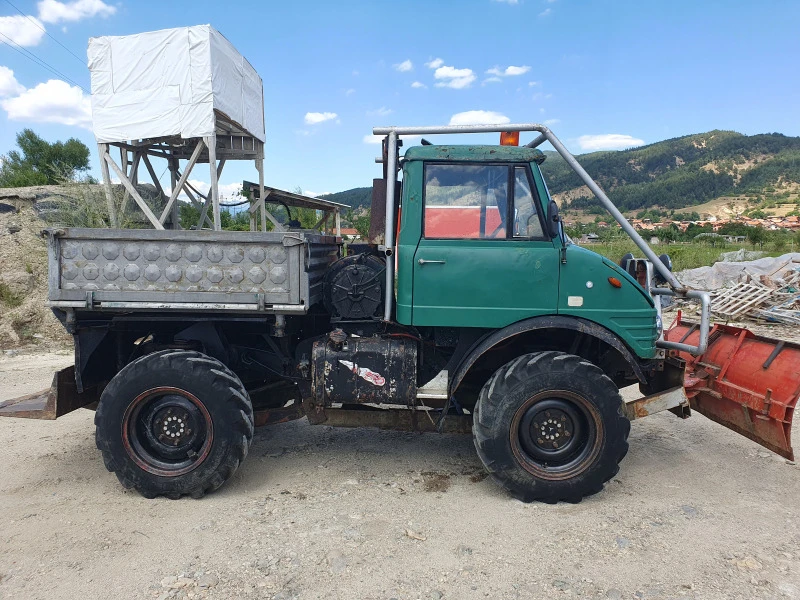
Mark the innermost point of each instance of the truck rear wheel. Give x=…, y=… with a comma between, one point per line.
x=174, y=422
x=551, y=427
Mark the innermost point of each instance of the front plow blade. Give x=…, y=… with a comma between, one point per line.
x=59, y=399
x=744, y=381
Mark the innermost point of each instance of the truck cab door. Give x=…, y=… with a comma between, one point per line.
x=483, y=258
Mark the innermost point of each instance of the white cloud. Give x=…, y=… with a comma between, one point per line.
x=435, y=63
x=546, y=12
x=314, y=118
x=21, y=30
x=349, y=92
x=510, y=71
x=479, y=117
x=404, y=66
x=458, y=83
x=9, y=86
x=451, y=72
x=418, y=84
x=52, y=11
x=228, y=192
x=380, y=112
x=52, y=102
x=608, y=141
x=200, y=186
x=507, y=1
x=314, y=194
x=491, y=80
x=454, y=78
x=550, y=122
x=534, y=83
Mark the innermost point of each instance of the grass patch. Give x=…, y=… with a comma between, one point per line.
x=9, y=298
x=684, y=256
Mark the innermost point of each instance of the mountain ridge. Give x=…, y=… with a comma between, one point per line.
x=675, y=173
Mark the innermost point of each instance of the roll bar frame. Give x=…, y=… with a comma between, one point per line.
x=545, y=135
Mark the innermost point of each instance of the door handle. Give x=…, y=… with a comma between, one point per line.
x=422, y=261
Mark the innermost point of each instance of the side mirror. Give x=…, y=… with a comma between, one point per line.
x=667, y=261
x=553, y=220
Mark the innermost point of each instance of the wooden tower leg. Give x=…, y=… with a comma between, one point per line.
x=211, y=142
x=112, y=209
x=173, y=176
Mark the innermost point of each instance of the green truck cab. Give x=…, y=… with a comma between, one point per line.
x=498, y=263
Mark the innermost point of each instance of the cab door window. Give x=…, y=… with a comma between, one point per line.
x=466, y=201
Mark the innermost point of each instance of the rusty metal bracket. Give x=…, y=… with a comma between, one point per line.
x=60, y=398
x=673, y=399
x=272, y=416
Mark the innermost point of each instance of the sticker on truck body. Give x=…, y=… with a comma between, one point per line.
x=574, y=300
x=365, y=374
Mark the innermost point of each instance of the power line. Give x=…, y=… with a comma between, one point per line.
x=82, y=61
x=31, y=56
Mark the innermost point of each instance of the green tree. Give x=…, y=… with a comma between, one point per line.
x=234, y=222
x=39, y=162
x=756, y=235
x=306, y=217
x=189, y=214
x=666, y=235
x=733, y=228
x=240, y=221
x=360, y=222
x=694, y=230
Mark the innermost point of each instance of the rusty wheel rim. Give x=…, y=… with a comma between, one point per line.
x=167, y=431
x=556, y=434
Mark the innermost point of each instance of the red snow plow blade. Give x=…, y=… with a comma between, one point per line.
x=744, y=381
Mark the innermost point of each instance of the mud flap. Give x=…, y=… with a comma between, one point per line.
x=746, y=382
x=59, y=399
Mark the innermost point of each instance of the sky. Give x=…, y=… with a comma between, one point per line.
x=604, y=74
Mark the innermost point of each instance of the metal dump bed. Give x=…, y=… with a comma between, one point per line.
x=119, y=269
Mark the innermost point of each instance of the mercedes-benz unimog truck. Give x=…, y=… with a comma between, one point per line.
x=468, y=311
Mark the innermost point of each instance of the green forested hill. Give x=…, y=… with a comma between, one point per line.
x=675, y=173
x=683, y=171
x=355, y=198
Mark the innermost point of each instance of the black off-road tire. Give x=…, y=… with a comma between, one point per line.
x=174, y=423
x=523, y=414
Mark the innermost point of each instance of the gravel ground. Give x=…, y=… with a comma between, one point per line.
x=696, y=512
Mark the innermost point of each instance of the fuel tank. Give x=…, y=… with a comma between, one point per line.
x=350, y=369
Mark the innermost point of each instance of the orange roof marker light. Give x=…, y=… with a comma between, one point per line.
x=509, y=138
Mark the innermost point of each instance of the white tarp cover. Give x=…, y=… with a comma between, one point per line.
x=170, y=82
x=728, y=274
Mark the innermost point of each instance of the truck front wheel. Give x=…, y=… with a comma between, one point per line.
x=174, y=422
x=550, y=426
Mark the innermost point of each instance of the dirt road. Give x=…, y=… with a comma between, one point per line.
x=314, y=512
